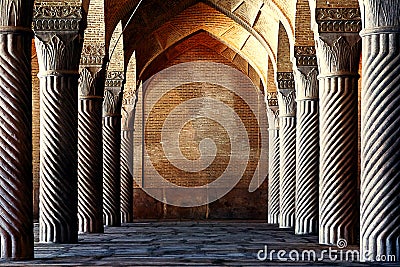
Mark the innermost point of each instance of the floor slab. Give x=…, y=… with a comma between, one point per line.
x=191, y=243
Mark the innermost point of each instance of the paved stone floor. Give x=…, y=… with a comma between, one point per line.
x=203, y=243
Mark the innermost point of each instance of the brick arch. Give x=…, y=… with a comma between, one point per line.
x=282, y=10
x=188, y=22
x=201, y=46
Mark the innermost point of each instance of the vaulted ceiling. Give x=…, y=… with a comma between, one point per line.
x=245, y=27
x=248, y=29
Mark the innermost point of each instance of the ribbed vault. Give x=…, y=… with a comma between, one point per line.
x=150, y=40
x=202, y=46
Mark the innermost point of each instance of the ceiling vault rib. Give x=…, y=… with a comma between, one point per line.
x=247, y=27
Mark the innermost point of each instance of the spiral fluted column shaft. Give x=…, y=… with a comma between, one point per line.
x=380, y=133
x=16, y=220
x=273, y=182
x=338, y=159
x=126, y=176
x=111, y=170
x=338, y=61
x=307, y=166
x=90, y=164
x=58, y=159
x=58, y=52
x=287, y=149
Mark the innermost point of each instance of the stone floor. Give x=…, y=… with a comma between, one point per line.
x=205, y=243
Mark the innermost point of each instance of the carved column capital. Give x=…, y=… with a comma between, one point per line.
x=273, y=117
x=113, y=94
x=285, y=80
x=287, y=102
x=380, y=16
x=56, y=17
x=273, y=110
x=91, y=82
x=93, y=54
x=338, y=44
x=286, y=94
x=128, y=110
x=306, y=82
x=305, y=56
x=338, y=55
x=272, y=99
x=338, y=20
x=15, y=15
x=58, y=38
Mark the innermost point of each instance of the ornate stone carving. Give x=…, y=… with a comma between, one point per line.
x=272, y=98
x=115, y=79
x=112, y=148
x=307, y=166
x=287, y=102
x=58, y=56
x=339, y=57
x=128, y=115
x=380, y=13
x=306, y=84
x=111, y=170
x=305, y=56
x=127, y=175
x=338, y=63
x=287, y=183
x=129, y=97
x=15, y=13
x=273, y=117
x=112, y=102
x=58, y=43
x=273, y=177
x=90, y=82
x=90, y=157
x=90, y=163
x=52, y=17
x=307, y=150
x=16, y=220
x=380, y=112
x=338, y=148
x=58, y=171
x=93, y=54
x=285, y=80
x=338, y=19
x=287, y=132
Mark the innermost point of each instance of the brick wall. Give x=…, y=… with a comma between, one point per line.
x=283, y=59
x=303, y=33
x=271, y=86
x=95, y=31
x=183, y=106
x=116, y=51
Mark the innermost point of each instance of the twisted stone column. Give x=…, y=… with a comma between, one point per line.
x=338, y=59
x=16, y=220
x=127, y=130
x=307, y=137
x=90, y=156
x=274, y=160
x=112, y=149
x=287, y=131
x=380, y=132
x=58, y=47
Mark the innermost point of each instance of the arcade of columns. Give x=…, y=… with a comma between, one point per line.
x=313, y=131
